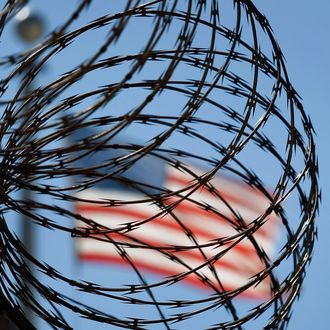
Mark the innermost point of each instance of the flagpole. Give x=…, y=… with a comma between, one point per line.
x=29, y=27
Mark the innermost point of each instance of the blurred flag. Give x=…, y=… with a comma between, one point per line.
x=185, y=240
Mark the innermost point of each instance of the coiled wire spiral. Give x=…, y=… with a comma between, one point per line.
x=183, y=82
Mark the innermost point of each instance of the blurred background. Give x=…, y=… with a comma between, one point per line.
x=302, y=30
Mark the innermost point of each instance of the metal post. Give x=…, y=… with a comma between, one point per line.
x=29, y=28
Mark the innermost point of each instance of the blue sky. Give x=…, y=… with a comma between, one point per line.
x=301, y=29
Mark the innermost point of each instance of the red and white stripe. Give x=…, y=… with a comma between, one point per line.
x=151, y=244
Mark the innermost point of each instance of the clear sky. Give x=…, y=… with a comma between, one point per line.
x=302, y=30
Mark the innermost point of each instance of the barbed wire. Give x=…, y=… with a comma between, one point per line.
x=177, y=82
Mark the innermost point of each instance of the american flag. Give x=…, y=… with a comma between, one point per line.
x=192, y=236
